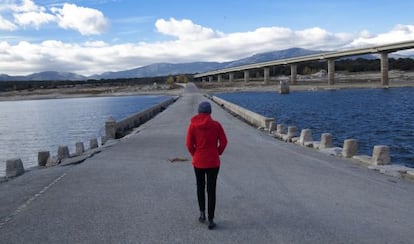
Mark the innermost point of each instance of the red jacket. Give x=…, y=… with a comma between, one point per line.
x=205, y=141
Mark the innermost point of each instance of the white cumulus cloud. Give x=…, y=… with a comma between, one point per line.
x=26, y=13
x=35, y=19
x=6, y=25
x=185, y=29
x=191, y=43
x=87, y=21
x=399, y=33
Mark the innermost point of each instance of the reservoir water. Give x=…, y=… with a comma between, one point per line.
x=372, y=116
x=27, y=127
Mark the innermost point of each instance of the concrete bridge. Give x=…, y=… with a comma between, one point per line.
x=268, y=192
x=383, y=50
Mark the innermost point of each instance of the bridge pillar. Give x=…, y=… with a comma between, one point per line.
x=293, y=74
x=246, y=76
x=203, y=79
x=219, y=78
x=331, y=71
x=384, y=69
x=266, y=75
x=210, y=79
x=231, y=77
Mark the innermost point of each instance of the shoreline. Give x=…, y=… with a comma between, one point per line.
x=315, y=82
x=311, y=86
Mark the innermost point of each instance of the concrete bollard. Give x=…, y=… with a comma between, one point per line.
x=272, y=126
x=326, y=141
x=284, y=87
x=305, y=136
x=93, y=143
x=63, y=152
x=80, y=148
x=292, y=131
x=14, y=167
x=280, y=129
x=350, y=148
x=381, y=155
x=42, y=158
x=110, y=128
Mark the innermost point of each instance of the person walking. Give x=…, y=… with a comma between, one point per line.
x=205, y=142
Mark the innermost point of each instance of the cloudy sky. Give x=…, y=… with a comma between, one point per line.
x=94, y=36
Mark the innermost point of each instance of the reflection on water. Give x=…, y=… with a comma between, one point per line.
x=27, y=127
x=372, y=116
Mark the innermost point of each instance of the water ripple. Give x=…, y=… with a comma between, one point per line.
x=27, y=127
x=372, y=116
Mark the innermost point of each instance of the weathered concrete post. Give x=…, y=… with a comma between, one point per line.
x=80, y=148
x=110, y=128
x=63, y=152
x=14, y=167
x=219, y=76
x=266, y=75
x=280, y=128
x=42, y=158
x=210, y=79
x=284, y=87
x=292, y=132
x=203, y=79
x=231, y=77
x=350, y=148
x=293, y=74
x=246, y=76
x=93, y=143
x=384, y=69
x=331, y=71
x=381, y=155
x=272, y=126
x=305, y=136
x=326, y=141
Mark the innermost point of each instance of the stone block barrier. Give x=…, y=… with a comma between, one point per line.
x=63, y=152
x=250, y=117
x=305, y=136
x=381, y=155
x=291, y=133
x=118, y=129
x=93, y=143
x=80, y=148
x=42, y=158
x=350, y=148
x=326, y=141
x=272, y=126
x=14, y=167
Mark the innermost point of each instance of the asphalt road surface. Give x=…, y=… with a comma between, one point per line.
x=268, y=191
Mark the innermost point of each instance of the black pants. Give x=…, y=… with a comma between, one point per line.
x=211, y=189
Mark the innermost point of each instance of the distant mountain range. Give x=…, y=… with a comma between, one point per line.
x=165, y=69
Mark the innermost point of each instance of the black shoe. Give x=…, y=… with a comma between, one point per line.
x=211, y=224
x=202, y=217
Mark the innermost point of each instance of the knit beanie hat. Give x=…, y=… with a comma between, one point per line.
x=204, y=107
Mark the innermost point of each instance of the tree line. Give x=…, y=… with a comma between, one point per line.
x=54, y=84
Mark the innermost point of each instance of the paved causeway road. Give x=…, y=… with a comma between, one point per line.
x=268, y=192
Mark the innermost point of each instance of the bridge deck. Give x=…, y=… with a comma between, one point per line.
x=268, y=192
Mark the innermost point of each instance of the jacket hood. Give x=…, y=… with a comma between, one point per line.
x=201, y=120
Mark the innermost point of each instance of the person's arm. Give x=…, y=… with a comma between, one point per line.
x=222, y=140
x=189, y=142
